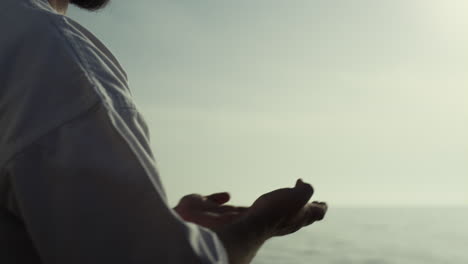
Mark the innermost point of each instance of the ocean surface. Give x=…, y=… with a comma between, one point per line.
x=376, y=236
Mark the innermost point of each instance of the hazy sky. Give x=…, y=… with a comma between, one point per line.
x=365, y=99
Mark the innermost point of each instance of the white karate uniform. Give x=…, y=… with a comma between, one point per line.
x=75, y=162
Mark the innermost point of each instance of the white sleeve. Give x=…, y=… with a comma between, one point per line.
x=85, y=195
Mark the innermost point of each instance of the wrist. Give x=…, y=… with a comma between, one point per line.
x=241, y=240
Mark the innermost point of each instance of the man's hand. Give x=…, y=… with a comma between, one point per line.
x=285, y=211
x=243, y=230
x=208, y=211
x=277, y=213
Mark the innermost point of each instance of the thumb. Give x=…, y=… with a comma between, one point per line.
x=301, y=194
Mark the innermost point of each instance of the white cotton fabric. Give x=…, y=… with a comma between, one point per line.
x=75, y=161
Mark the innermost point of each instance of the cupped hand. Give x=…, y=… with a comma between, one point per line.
x=284, y=211
x=209, y=211
x=277, y=213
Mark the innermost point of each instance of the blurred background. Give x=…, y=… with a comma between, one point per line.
x=365, y=99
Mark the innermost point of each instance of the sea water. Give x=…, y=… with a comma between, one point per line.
x=376, y=236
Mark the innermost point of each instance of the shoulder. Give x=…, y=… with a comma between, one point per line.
x=52, y=50
x=35, y=30
x=44, y=84
x=38, y=58
x=34, y=39
x=52, y=70
x=26, y=20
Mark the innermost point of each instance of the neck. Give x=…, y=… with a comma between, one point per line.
x=60, y=6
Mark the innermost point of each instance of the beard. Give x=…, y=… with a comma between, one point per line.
x=91, y=5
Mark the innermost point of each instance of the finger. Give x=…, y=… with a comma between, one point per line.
x=314, y=212
x=228, y=208
x=219, y=198
x=191, y=197
x=300, y=194
x=305, y=188
x=190, y=201
x=311, y=213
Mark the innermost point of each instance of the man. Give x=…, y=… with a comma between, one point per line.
x=76, y=168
